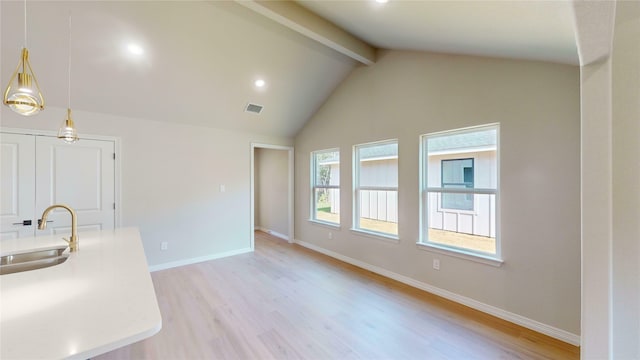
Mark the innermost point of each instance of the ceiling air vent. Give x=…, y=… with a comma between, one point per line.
x=254, y=108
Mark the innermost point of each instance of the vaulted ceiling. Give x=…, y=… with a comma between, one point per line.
x=201, y=58
x=519, y=29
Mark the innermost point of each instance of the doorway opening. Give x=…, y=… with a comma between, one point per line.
x=272, y=191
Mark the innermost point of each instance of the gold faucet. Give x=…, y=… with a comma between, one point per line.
x=74, y=243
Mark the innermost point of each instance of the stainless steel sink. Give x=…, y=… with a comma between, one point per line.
x=32, y=260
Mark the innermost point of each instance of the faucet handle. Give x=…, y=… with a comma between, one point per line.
x=67, y=240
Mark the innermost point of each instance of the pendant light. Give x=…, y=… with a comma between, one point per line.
x=68, y=132
x=23, y=94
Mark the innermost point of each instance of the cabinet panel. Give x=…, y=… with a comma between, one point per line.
x=17, y=184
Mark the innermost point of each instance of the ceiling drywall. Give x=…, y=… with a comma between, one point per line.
x=521, y=29
x=199, y=65
x=201, y=57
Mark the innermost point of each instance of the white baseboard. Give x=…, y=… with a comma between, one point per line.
x=173, y=264
x=271, y=232
x=534, y=325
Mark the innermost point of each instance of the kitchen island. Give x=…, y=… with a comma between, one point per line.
x=101, y=298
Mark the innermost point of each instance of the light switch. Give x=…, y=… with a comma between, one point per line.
x=223, y=188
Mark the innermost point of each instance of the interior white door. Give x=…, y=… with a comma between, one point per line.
x=80, y=175
x=17, y=186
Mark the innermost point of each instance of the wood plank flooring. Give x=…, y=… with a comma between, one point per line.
x=286, y=302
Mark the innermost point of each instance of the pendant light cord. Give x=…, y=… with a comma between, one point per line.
x=69, y=53
x=25, y=23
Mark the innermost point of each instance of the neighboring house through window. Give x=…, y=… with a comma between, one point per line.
x=376, y=188
x=457, y=173
x=460, y=190
x=325, y=186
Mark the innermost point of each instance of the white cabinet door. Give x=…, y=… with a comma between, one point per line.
x=39, y=171
x=80, y=175
x=17, y=185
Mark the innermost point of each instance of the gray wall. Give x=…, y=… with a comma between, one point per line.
x=171, y=177
x=271, y=190
x=406, y=94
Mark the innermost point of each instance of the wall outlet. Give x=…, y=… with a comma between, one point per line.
x=223, y=188
x=164, y=245
x=436, y=264
x=330, y=235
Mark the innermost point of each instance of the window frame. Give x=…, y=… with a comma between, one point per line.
x=313, y=210
x=460, y=252
x=357, y=188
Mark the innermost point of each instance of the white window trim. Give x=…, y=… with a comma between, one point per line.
x=312, y=208
x=460, y=253
x=376, y=235
x=423, y=242
x=324, y=223
x=356, y=192
x=448, y=191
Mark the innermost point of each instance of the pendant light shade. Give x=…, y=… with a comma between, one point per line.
x=23, y=94
x=68, y=132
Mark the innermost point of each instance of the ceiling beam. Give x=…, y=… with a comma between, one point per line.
x=307, y=23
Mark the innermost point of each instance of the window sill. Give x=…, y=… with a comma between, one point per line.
x=325, y=223
x=376, y=235
x=457, y=211
x=461, y=254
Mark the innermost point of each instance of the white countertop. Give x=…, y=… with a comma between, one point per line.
x=98, y=300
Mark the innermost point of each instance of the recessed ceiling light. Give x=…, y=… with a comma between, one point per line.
x=382, y=1
x=259, y=83
x=135, y=49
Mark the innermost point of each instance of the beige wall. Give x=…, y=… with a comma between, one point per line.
x=626, y=181
x=171, y=177
x=406, y=94
x=596, y=208
x=610, y=92
x=595, y=18
x=272, y=190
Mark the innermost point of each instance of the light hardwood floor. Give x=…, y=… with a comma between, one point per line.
x=286, y=302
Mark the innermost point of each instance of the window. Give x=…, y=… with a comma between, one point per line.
x=457, y=173
x=325, y=186
x=460, y=189
x=376, y=188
